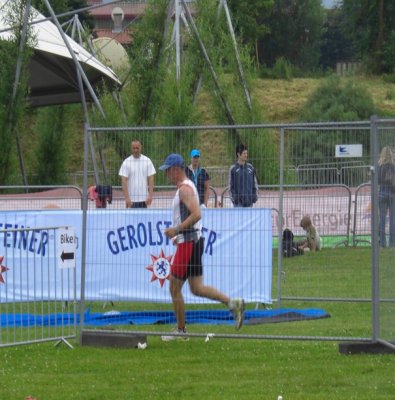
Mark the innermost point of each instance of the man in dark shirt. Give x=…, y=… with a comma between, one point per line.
x=199, y=177
x=243, y=185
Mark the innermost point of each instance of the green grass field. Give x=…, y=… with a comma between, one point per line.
x=229, y=368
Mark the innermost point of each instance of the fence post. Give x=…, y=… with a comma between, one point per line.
x=280, y=217
x=84, y=227
x=374, y=202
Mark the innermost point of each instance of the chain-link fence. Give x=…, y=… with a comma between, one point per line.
x=301, y=170
x=325, y=171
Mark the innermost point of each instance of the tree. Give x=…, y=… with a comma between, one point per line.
x=295, y=30
x=370, y=25
x=13, y=89
x=154, y=94
x=58, y=6
x=84, y=17
x=62, y=6
x=249, y=17
x=336, y=46
x=52, y=144
x=8, y=54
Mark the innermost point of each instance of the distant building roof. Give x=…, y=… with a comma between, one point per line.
x=106, y=26
x=131, y=10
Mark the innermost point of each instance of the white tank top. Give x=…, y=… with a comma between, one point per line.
x=181, y=213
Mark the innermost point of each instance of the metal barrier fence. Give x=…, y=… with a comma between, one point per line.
x=329, y=207
x=341, y=173
x=37, y=294
x=342, y=212
x=350, y=174
x=346, y=219
x=362, y=224
x=41, y=197
x=322, y=278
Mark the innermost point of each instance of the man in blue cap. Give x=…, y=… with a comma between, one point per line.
x=187, y=261
x=199, y=177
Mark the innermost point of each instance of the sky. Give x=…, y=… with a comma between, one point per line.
x=329, y=3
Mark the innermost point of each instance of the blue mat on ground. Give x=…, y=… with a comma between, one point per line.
x=212, y=317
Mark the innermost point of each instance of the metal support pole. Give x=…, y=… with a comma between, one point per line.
x=145, y=111
x=209, y=63
x=237, y=54
x=178, y=39
x=375, y=229
x=84, y=228
x=280, y=218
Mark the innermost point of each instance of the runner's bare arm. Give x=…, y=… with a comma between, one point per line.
x=190, y=200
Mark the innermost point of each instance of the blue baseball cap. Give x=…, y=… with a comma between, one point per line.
x=195, y=153
x=172, y=160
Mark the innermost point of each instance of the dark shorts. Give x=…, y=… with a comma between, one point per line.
x=139, y=204
x=188, y=260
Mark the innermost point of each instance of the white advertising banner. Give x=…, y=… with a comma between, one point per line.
x=128, y=256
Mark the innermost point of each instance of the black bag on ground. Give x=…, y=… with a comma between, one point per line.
x=289, y=246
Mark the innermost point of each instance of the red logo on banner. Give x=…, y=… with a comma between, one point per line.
x=160, y=268
x=2, y=269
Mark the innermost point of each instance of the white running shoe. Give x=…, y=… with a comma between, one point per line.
x=237, y=310
x=179, y=334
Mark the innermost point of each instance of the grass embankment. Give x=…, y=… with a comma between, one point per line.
x=283, y=100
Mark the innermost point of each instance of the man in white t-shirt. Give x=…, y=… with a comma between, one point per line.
x=137, y=174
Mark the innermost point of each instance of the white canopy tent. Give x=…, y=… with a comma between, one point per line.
x=53, y=75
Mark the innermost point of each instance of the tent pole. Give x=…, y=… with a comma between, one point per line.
x=77, y=30
x=209, y=64
x=223, y=4
x=76, y=62
x=81, y=76
x=170, y=6
x=239, y=66
x=178, y=40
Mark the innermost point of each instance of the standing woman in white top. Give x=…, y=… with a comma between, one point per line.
x=137, y=174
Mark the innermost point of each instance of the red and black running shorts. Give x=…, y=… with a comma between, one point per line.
x=188, y=259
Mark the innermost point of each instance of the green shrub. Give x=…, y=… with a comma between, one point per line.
x=52, y=145
x=336, y=101
x=389, y=78
x=390, y=94
x=389, y=53
x=282, y=69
